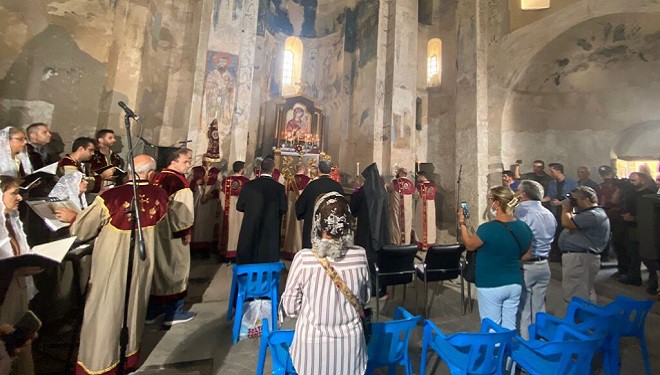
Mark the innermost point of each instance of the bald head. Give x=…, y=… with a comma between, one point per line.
x=145, y=166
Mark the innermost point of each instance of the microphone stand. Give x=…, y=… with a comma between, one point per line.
x=136, y=227
x=458, y=199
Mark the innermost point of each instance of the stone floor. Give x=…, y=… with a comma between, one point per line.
x=203, y=346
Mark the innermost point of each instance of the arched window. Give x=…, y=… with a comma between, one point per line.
x=434, y=62
x=534, y=4
x=291, y=65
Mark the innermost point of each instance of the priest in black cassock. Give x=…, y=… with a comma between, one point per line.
x=305, y=203
x=263, y=202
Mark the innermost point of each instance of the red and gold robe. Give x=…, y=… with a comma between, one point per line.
x=292, y=226
x=106, y=219
x=231, y=219
x=204, y=182
x=68, y=165
x=172, y=267
x=425, y=214
x=401, y=210
x=100, y=160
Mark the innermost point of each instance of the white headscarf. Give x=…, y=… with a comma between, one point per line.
x=329, y=247
x=68, y=187
x=7, y=163
x=6, y=250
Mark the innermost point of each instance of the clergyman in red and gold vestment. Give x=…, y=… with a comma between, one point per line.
x=424, y=211
x=400, y=192
x=205, y=187
x=172, y=267
x=292, y=226
x=107, y=220
x=231, y=219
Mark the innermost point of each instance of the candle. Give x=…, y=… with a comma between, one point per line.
x=358, y=169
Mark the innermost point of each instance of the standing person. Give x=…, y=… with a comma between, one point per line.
x=73, y=187
x=612, y=191
x=509, y=180
x=556, y=194
x=82, y=151
x=39, y=136
x=21, y=288
x=263, y=202
x=401, y=192
x=107, y=220
x=641, y=185
x=328, y=338
x=499, y=245
x=583, y=175
x=230, y=189
x=205, y=187
x=172, y=267
x=14, y=159
x=305, y=204
x=369, y=204
x=425, y=230
x=103, y=157
x=538, y=174
x=293, y=227
x=583, y=239
x=275, y=175
x=536, y=270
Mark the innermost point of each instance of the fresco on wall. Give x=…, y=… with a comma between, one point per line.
x=234, y=7
x=361, y=30
x=219, y=92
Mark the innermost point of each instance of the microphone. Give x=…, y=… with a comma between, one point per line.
x=129, y=112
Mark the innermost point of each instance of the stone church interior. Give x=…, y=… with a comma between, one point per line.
x=457, y=91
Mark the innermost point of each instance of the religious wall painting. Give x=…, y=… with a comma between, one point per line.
x=219, y=93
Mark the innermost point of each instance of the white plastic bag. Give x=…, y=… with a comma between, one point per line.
x=255, y=311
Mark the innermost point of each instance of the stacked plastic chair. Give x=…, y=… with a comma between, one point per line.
x=568, y=351
x=278, y=342
x=631, y=315
x=253, y=281
x=468, y=353
x=389, y=342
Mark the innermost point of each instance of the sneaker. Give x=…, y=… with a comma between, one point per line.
x=180, y=317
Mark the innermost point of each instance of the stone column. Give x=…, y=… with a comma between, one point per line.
x=383, y=87
x=247, y=111
x=404, y=86
x=472, y=105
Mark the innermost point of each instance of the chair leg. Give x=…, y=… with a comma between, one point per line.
x=232, y=295
x=261, y=360
x=392, y=369
x=236, y=329
x=645, y=354
x=422, y=363
x=463, y=306
x=426, y=299
x=405, y=286
x=377, y=299
x=469, y=286
x=415, y=286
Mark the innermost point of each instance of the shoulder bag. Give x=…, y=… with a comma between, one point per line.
x=365, y=314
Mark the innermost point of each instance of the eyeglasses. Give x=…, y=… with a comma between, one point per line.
x=20, y=139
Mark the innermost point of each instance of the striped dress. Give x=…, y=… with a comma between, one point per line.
x=328, y=338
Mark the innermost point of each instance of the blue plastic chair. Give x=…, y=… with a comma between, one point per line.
x=279, y=343
x=589, y=321
x=253, y=281
x=468, y=353
x=570, y=353
x=389, y=342
x=631, y=314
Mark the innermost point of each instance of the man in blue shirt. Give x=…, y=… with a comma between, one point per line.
x=509, y=180
x=556, y=194
x=536, y=271
x=582, y=241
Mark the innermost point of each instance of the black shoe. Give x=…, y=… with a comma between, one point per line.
x=631, y=281
x=651, y=291
x=616, y=274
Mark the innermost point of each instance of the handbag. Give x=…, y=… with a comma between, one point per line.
x=514, y=236
x=365, y=314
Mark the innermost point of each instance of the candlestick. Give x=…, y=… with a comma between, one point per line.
x=358, y=169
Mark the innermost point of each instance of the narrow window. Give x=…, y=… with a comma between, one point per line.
x=292, y=66
x=434, y=62
x=534, y=4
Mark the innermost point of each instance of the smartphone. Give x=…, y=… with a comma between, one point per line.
x=466, y=213
x=519, y=161
x=23, y=330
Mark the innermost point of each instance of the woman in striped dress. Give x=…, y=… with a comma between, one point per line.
x=328, y=338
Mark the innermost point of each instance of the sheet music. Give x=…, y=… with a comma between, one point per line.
x=50, y=169
x=46, y=210
x=56, y=250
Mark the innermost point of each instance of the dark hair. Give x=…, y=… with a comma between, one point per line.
x=32, y=128
x=586, y=192
x=508, y=173
x=174, y=155
x=267, y=165
x=82, y=142
x=422, y=173
x=324, y=167
x=103, y=132
x=557, y=167
x=270, y=156
x=539, y=162
x=605, y=169
x=237, y=166
x=8, y=181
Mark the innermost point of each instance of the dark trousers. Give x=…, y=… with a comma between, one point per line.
x=619, y=242
x=635, y=269
x=653, y=265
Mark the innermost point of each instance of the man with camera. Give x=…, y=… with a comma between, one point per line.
x=583, y=239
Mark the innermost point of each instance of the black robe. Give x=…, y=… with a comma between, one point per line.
x=263, y=202
x=305, y=204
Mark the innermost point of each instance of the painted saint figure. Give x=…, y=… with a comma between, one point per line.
x=219, y=92
x=424, y=211
x=400, y=192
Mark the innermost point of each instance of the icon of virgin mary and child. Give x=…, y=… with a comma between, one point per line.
x=297, y=128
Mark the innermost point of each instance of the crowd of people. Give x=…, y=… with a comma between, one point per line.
x=332, y=240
